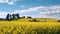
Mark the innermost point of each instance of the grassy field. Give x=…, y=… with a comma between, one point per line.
x=22, y=26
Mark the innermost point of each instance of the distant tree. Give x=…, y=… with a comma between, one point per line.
x=29, y=17
x=58, y=20
x=23, y=16
x=15, y=16
x=8, y=17
x=33, y=20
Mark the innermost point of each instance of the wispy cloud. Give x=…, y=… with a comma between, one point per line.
x=40, y=12
x=44, y=11
x=3, y=14
x=31, y=9
x=10, y=2
x=22, y=6
x=4, y=1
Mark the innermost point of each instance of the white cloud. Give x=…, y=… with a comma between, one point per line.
x=22, y=6
x=42, y=11
x=4, y=1
x=45, y=11
x=31, y=9
x=10, y=2
x=3, y=14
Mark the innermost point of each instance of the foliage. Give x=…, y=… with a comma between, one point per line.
x=58, y=20
x=29, y=17
x=34, y=20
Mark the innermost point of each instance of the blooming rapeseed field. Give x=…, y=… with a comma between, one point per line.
x=18, y=27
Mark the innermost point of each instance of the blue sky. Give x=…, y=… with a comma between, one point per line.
x=33, y=8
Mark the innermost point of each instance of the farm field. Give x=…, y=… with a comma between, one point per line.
x=29, y=16
x=23, y=27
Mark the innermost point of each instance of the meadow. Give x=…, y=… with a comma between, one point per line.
x=22, y=26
